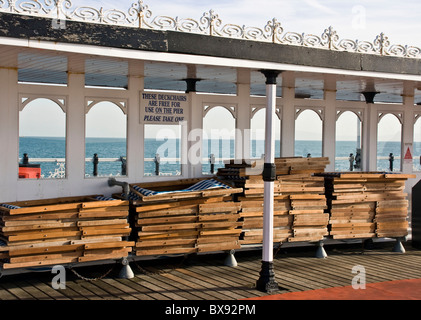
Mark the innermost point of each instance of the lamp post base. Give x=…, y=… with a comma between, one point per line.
x=266, y=282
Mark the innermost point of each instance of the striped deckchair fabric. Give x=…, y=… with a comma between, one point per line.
x=131, y=196
x=9, y=206
x=101, y=198
x=199, y=186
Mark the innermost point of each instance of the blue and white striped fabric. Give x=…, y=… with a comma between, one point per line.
x=145, y=192
x=199, y=186
x=132, y=196
x=100, y=198
x=9, y=206
x=207, y=184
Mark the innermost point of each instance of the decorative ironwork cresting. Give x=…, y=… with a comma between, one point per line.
x=140, y=16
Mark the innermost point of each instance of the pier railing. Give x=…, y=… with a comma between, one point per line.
x=210, y=162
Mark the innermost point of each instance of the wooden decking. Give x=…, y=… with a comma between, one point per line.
x=204, y=277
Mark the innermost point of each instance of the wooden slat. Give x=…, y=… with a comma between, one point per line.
x=165, y=235
x=38, y=227
x=166, y=242
x=165, y=250
x=170, y=227
x=111, y=231
x=218, y=246
x=119, y=254
x=44, y=235
x=39, y=263
x=165, y=220
x=45, y=249
x=44, y=209
x=103, y=245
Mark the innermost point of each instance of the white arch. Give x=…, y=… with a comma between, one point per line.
x=230, y=108
x=24, y=100
x=398, y=116
x=120, y=103
x=358, y=113
x=256, y=109
x=318, y=111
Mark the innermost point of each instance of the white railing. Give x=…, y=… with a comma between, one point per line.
x=140, y=16
x=164, y=160
x=52, y=160
x=60, y=171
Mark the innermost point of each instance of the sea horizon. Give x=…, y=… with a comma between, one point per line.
x=110, y=147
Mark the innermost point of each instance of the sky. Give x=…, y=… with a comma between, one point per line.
x=352, y=19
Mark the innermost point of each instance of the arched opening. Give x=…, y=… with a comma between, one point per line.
x=42, y=140
x=389, y=140
x=257, y=134
x=218, y=138
x=105, y=140
x=348, y=149
x=308, y=134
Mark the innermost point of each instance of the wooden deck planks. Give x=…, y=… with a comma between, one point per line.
x=153, y=290
x=205, y=278
x=236, y=289
x=172, y=290
x=5, y=294
x=215, y=285
x=143, y=292
x=316, y=275
x=74, y=291
x=32, y=290
x=16, y=291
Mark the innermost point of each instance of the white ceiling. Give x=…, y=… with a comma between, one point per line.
x=51, y=67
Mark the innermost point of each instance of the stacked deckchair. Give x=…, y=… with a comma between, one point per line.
x=62, y=231
x=367, y=205
x=185, y=216
x=299, y=200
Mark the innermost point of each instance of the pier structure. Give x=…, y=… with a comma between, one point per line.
x=162, y=71
x=78, y=59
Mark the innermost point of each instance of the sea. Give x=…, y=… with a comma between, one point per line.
x=115, y=149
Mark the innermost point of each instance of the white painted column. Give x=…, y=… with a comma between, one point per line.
x=369, y=152
x=9, y=134
x=267, y=282
x=329, y=123
x=407, y=133
x=288, y=115
x=242, y=134
x=75, y=128
x=135, y=130
x=195, y=136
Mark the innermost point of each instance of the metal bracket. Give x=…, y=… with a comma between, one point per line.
x=125, y=185
x=269, y=172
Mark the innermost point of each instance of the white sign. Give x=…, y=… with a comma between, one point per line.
x=163, y=108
